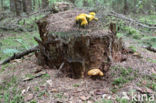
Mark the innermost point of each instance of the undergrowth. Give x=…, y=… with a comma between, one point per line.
x=16, y=43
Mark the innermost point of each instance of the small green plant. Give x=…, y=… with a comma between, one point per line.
x=114, y=89
x=122, y=75
x=76, y=85
x=125, y=72
x=151, y=60
x=118, y=81
x=18, y=43
x=120, y=100
x=59, y=95
x=119, y=35
x=11, y=94
x=46, y=76
x=133, y=48
x=42, y=93
x=29, y=75
x=33, y=101
x=37, y=89
x=151, y=85
x=106, y=101
x=2, y=68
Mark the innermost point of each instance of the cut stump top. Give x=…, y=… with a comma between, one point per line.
x=63, y=23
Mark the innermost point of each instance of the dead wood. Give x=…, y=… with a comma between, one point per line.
x=59, y=70
x=34, y=76
x=13, y=27
x=19, y=55
x=150, y=48
x=123, y=17
x=80, y=49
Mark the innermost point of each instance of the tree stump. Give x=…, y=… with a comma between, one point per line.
x=80, y=49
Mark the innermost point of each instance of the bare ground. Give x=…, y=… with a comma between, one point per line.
x=51, y=89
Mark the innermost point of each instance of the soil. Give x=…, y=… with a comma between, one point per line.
x=62, y=89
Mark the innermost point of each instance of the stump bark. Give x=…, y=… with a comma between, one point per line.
x=80, y=49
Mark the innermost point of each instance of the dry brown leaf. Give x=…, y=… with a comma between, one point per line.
x=17, y=60
x=138, y=55
x=144, y=90
x=50, y=83
x=89, y=102
x=54, y=90
x=153, y=71
x=28, y=97
x=84, y=98
x=101, y=91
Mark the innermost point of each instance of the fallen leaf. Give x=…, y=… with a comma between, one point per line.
x=54, y=90
x=89, y=102
x=144, y=82
x=149, y=91
x=101, y=91
x=144, y=90
x=50, y=83
x=28, y=97
x=153, y=71
x=138, y=55
x=84, y=98
x=23, y=91
x=17, y=60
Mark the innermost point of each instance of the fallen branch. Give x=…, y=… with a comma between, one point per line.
x=60, y=68
x=19, y=55
x=151, y=49
x=35, y=76
x=121, y=16
x=13, y=27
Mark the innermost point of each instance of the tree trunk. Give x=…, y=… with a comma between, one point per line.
x=12, y=5
x=85, y=3
x=27, y=6
x=72, y=1
x=125, y=9
x=45, y=4
x=18, y=7
x=39, y=4
x=2, y=5
x=134, y=10
x=34, y=4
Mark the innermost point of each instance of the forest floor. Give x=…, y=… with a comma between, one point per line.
x=23, y=80
x=130, y=81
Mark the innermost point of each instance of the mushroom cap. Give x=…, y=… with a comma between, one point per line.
x=92, y=13
x=95, y=72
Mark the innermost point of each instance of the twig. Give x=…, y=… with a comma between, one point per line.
x=121, y=16
x=35, y=76
x=151, y=49
x=19, y=55
x=61, y=66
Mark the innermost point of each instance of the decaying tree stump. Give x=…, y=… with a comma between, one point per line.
x=80, y=49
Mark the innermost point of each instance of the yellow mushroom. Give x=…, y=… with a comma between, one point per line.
x=95, y=72
x=81, y=19
x=91, y=16
x=92, y=13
